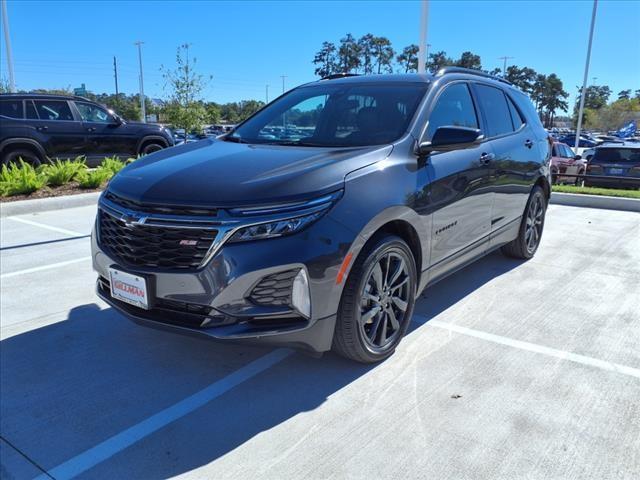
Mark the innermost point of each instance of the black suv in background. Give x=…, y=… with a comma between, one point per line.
x=317, y=221
x=38, y=127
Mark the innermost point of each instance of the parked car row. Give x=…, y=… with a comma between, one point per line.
x=38, y=127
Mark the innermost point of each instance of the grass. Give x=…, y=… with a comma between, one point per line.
x=609, y=192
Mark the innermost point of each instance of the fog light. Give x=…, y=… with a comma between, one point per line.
x=300, y=297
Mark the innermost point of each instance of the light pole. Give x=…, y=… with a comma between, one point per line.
x=586, y=74
x=142, y=108
x=423, y=45
x=504, y=65
x=7, y=41
x=267, y=93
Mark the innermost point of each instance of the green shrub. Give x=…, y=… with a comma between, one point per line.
x=113, y=164
x=20, y=179
x=94, y=178
x=62, y=172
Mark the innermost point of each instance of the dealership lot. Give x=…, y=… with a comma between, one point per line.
x=510, y=370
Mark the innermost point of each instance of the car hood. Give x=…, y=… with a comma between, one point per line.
x=215, y=173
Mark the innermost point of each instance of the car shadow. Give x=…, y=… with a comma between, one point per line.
x=71, y=385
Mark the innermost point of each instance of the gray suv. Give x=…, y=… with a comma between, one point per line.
x=317, y=222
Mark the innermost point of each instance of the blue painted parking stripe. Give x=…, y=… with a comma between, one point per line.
x=103, y=451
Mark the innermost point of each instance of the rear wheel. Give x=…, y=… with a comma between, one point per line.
x=531, y=227
x=14, y=156
x=377, y=301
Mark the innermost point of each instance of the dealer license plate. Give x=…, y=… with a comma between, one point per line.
x=129, y=288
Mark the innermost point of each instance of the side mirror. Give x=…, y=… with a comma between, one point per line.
x=117, y=121
x=578, y=157
x=447, y=139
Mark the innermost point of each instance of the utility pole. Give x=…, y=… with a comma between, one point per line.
x=423, y=45
x=586, y=75
x=267, y=93
x=504, y=66
x=7, y=41
x=115, y=75
x=283, y=77
x=144, y=113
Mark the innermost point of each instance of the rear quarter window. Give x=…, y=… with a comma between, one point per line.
x=11, y=108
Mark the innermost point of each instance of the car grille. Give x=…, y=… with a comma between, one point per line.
x=152, y=246
x=274, y=289
x=162, y=209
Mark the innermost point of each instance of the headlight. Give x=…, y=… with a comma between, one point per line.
x=274, y=229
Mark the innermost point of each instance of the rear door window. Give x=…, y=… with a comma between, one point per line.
x=496, y=110
x=31, y=110
x=11, y=108
x=53, y=110
x=454, y=108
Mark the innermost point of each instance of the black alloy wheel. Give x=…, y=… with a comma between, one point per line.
x=377, y=301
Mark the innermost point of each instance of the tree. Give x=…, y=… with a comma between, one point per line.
x=553, y=98
x=469, y=60
x=537, y=91
x=596, y=97
x=523, y=78
x=366, y=48
x=624, y=94
x=438, y=60
x=383, y=53
x=408, y=59
x=348, y=55
x=185, y=88
x=325, y=60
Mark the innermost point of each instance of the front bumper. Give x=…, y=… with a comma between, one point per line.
x=215, y=301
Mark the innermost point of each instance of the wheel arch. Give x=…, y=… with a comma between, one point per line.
x=147, y=139
x=28, y=143
x=543, y=182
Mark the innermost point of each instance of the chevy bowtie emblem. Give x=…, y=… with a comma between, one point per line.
x=188, y=243
x=131, y=220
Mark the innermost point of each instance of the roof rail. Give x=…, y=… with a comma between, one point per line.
x=334, y=76
x=471, y=71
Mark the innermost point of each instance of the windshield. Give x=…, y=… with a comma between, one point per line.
x=616, y=155
x=334, y=115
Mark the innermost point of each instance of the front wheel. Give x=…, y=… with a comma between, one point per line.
x=530, y=233
x=377, y=301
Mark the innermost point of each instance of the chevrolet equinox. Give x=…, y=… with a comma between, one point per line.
x=317, y=222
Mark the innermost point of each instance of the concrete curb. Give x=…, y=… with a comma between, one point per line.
x=595, y=201
x=22, y=207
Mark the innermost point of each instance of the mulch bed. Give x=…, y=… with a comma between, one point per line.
x=45, y=192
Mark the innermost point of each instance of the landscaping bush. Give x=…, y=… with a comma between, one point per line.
x=94, y=178
x=20, y=179
x=113, y=164
x=61, y=172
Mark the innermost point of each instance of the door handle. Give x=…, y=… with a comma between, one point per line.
x=42, y=128
x=485, y=158
x=91, y=129
x=528, y=143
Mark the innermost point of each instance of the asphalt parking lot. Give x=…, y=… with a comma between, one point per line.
x=510, y=370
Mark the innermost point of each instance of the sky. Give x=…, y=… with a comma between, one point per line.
x=247, y=45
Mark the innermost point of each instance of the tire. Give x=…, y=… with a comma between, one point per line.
x=29, y=156
x=370, y=340
x=525, y=246
x=151, y=147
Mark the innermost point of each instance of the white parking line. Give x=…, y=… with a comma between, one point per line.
x=532, y=347
x=101, y=452
x=46, y=227
x=44, y=267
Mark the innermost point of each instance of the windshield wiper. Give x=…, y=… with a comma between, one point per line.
x=234, y=139
x=297, y=143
